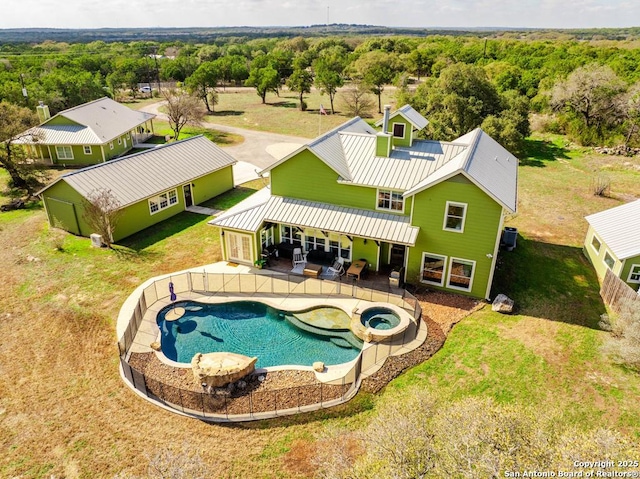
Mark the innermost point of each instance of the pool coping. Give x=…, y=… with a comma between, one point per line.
x=148, y=333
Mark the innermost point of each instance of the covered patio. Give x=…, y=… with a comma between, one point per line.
x=371, y=243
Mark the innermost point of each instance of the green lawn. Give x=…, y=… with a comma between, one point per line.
x=281, y=114
x=65, y=411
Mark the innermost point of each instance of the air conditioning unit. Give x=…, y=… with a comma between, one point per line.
x=96, y=240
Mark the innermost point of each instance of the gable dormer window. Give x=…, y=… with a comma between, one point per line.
x=390, y=200
x=398, y=130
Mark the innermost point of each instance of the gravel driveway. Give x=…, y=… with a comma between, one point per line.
x=252, y=150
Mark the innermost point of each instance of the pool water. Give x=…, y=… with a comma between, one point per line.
x=379, y=318
x=252, y=328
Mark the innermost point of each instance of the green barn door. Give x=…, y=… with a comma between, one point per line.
x=62, y=214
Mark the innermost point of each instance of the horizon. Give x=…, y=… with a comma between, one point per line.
x=410, y=14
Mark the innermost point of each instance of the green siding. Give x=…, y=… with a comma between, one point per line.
x=629, y=262
x=408, y=127
x=597, y=259
x=482, y=221
x=367, y=251
x=309, y=178
x=62, y=214
x=212, y=185
x=137, y=216
x=383, y=144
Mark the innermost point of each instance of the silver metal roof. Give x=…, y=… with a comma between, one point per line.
x=310, y=214
x=350, y=150
x=329, y=148
x=97, y=122
x=485, y=162
x=619, y=228
x=403, y=169
x=416, y=119
x=142, y=175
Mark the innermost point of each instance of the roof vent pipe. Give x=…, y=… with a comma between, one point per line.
x=385, y=119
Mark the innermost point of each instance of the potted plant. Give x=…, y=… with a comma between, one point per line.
x=260, y=263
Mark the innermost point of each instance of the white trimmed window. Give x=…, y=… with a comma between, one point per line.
x=64, y=152
x=290, y=234
x=314, y=239
x=398, y=130
x=634, y=274
x=461, y=274
x=433, y=269
x=340, y=246
x=119, y=141
x=163, y=201
x=87, y=149
x=266, y=237
x=390, y=200
x=111, y=145
x=454, y=217
x=609, y=261
x=596, y=244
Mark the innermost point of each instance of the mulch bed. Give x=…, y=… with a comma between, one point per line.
x=277, y=390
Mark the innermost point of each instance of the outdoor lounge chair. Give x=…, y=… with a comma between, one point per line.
x=299, y=257
x=337, y=269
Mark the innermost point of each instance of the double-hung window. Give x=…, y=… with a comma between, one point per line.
x=433, y=268
x=64, y=152
x=609, y=261
x=634, y=274
x=390, y=200
x=163, y=201
x=87, y=149
x=454, y=216
x=461, y=274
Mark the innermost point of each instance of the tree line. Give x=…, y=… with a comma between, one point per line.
x=588, y=90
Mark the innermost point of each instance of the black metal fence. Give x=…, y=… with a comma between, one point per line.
x=247, y=402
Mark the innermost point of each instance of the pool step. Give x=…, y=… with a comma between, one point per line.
x=343, y=343
x=346, y=336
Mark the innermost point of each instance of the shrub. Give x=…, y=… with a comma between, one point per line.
x=624, y=344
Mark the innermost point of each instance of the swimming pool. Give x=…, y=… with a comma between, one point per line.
x=251, y=328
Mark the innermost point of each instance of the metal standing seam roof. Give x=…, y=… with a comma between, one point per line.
x=97, y=122
x=416, y=119
x=322, y=216
x=485, y=162
x=406, y=166
x=142, y=175
x=329, y=148
x=619, y=229
x=350, y=150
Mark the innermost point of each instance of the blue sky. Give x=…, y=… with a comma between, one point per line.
x=409, y=13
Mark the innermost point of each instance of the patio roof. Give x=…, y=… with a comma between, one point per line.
x=323, y=216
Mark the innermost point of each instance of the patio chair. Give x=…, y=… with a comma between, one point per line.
x=337, y=268
x=299, y=257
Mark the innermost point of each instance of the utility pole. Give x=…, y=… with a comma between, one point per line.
x=155, y=59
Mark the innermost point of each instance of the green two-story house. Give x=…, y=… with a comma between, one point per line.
x=87, y=134
x=430, y=209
